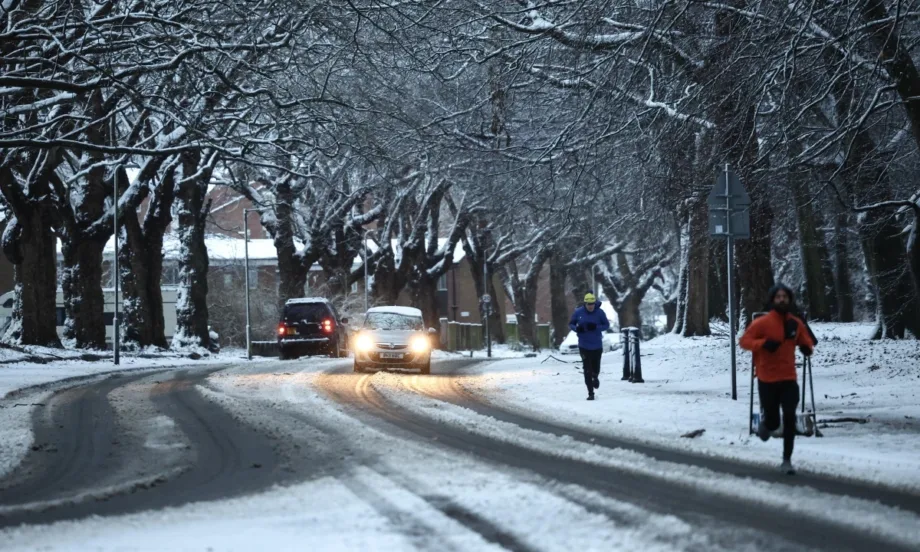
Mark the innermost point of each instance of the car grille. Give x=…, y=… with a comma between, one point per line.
x=392, y=347
x=407, y=359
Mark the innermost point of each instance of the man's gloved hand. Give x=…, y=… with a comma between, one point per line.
x=579, y=329
x=792, y=328
x=591, y=326
x=771, y=345
x=806, y=350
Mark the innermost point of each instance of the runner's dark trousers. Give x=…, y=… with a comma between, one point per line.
x=773, y=397
x=592, y=366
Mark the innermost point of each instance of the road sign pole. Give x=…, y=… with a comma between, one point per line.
x=731, y=292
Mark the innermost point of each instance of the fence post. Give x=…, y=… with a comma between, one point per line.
x=636, y=376
x=451, y=336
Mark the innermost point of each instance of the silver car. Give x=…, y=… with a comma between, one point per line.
x=393, y=337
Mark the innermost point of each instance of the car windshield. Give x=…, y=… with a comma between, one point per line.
x=311, y=313
x=392, y=321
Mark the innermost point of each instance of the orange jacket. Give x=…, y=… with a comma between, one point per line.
x=779, y=365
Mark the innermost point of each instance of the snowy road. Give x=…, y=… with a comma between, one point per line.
x=308, y=455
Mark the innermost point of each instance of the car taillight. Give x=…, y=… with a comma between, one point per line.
x=281, y=330
x=327, y=326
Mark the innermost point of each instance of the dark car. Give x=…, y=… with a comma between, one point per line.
x=311, y=326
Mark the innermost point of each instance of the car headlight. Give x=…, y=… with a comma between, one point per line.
x=419, y=344
x=364, y=343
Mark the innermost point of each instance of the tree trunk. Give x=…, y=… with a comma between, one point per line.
x=581, y=284
x=425, y=298
x=814, y=254
x=141, y=264
x=718, y=282
x=695, y=315
x=670, y=313
x=628, y=311
x=683, y=278
x=496, y=318
x=525, y=306
x=842, y=284
x=29, y=243
x=83, y=296
x=753, y=260
x=913, y=252
x=897, y=308
x=192, y=301
x=292, y=268
x=558, y=306
x=496, y=314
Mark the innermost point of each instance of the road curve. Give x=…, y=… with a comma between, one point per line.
x=81, y=444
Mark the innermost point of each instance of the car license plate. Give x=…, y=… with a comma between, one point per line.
x=397, y=356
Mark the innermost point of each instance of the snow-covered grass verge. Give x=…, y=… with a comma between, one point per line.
x=24, y=374
x=498, y=352
x=883, y=521
x=687, y=387
x=22, y=390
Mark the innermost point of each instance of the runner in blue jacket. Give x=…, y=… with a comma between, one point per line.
x=590, y=323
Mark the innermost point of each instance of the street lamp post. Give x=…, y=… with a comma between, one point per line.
x=115, y=322
x=246, y=256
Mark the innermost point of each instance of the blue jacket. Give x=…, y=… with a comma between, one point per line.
x=592, y=340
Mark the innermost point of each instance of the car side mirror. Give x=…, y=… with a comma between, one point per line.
x=344, y=321
x=432, y=331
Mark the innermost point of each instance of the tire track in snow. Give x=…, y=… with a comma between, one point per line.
x=450, y=389
x=653, y=493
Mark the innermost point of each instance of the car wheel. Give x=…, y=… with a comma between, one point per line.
x=358, y=368
x=334, y=350
x=426, y=369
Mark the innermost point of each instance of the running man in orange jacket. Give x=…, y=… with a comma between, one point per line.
x=773, y=339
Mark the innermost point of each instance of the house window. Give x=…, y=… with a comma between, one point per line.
x=354, y=287
x=228, y=280
x=442, y=283
x=253, y=278
x=170, y=275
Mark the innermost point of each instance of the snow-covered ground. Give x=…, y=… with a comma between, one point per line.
x=687, y=387
x=390, y=495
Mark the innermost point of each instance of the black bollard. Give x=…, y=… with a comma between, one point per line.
x=636, y=356
x=624, y=339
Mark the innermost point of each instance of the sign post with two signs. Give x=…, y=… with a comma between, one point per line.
x=730, y=218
